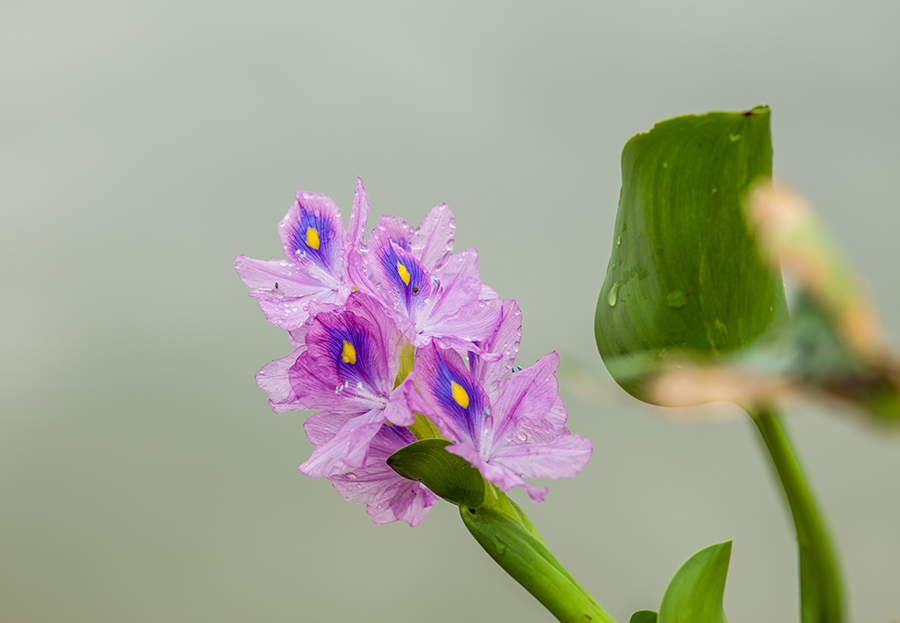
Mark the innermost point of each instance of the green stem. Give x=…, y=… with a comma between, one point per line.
x=509, y=537
x=820, y=584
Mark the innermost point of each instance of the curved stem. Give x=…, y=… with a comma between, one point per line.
x=820, y=583
x=509, y=537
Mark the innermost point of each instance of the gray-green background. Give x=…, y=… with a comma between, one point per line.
x=143, y=476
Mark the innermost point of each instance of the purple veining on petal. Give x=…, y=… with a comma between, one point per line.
x=350, y=360
x=312, y=236
x=406, y=279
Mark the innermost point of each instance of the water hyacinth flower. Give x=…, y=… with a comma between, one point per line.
x=347, y=366
x=314, y=276
x=362, y=315
x=434, y=294
x=516, y=432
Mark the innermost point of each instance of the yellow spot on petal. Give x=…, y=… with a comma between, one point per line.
x=348, y=354
x=459, y=394
x=312, y=238
x=404, y=274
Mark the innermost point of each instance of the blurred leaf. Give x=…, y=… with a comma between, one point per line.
x=833, y=343
x=685, y=272
x=643, y=616
x=447, y=475
x=695, y=593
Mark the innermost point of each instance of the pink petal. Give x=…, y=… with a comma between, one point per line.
x=348, y=448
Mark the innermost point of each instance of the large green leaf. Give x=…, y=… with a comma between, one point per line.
x=447, y=475
x=685, y=275
x=695, y=593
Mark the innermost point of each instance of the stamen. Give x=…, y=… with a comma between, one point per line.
x=312, y=238
x=459, y=394
x=404, y=274
x=348, y=354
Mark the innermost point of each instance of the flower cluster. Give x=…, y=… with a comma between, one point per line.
x=396, y=339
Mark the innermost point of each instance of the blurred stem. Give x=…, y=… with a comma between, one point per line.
x=504, y=531
x=820, y=584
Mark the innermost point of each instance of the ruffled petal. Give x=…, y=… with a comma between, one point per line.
x=504, y=342
x=563, y=457
x=273, y=379
x=388, y=496
x=524, y=396
x=432, y=242
x=454, y=310
x=347, y=449
x=504, y=478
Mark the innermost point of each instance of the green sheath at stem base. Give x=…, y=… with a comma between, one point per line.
x=525, y=557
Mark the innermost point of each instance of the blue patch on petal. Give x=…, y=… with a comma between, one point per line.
x=469, y=418
x=406, y=276
x=362, y=370
x=313, y=236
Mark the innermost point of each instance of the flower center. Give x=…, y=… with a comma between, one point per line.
x=404, y=274
x=348, y=353
x=459, y=394
x=312, y=238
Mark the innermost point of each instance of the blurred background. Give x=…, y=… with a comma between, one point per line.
x=143, y=476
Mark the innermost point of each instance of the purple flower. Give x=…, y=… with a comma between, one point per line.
x=314, y=276
x=388, y=496
x=434, y=294
x=516, y=430
x=348, y=366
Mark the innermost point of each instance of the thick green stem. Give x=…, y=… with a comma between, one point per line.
x=509, y=538
x=820, y=583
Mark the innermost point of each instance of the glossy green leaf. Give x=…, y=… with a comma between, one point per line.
x=447, y=475
x=685, y=275
x=643, y=616
x=695, y=593
x=530, y=563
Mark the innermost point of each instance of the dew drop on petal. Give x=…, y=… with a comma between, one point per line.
x=521, y=436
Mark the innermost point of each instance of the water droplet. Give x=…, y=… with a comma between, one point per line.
x=665, y=165
x=676, y=298
x=521, y=436
x=337, y=390
x=734, y=137
x=359, y=385
x=770, y=309
x=487, y=411
x=614, y=266
x=619, y=241
x=435, y=281
x=614, y=294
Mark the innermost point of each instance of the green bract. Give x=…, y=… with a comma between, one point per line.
x=685, y=276
x=447, y=475
x=695, y=593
